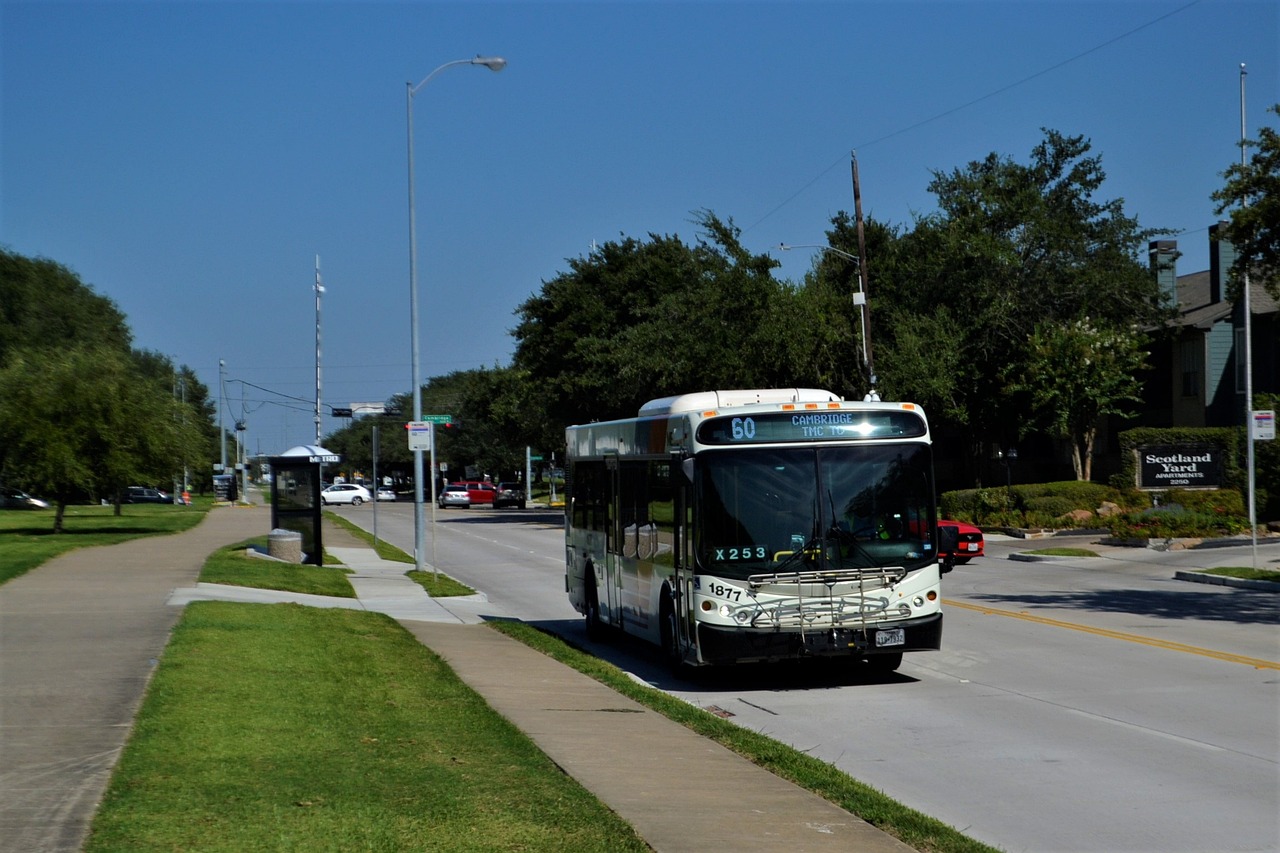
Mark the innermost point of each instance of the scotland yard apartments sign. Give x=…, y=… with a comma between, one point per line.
x=1180, y=467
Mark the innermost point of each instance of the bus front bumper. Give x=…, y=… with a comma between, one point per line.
x=730, y=645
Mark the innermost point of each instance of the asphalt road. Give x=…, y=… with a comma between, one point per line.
x=1077, y=705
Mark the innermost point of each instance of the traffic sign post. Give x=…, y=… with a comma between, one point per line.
x=419, y=433
x=1264, y=425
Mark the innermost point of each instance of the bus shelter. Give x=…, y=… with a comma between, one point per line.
x=295, y=496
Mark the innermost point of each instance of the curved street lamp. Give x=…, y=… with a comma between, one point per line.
x=859, y=300
x=493, y=63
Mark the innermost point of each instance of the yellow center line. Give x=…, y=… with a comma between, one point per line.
x=1257, y=663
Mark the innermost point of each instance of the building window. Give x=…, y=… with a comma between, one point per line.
x=1190, y=368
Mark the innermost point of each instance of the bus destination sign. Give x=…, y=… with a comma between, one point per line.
x=832, y=425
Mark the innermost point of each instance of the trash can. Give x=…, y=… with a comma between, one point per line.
x=285, y=545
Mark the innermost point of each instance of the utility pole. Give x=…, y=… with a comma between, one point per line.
x=1248, y=353
x=222, y=405
x=866, y=279
x=319, y=293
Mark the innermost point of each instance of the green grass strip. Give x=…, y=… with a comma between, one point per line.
x=286, y=728
x=911, y=827
x=1064, y=552
x=27, y=539
x=1244, y=572
x=231, y=565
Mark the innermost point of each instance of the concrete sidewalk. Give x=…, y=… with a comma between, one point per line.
x=80, y=636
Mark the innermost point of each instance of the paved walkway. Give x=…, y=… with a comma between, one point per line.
x=79, y=638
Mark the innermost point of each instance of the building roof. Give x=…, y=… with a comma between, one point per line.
x=1196, y=309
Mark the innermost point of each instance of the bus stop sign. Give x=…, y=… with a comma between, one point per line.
x=419, y=435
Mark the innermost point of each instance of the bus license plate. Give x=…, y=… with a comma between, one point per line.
x=891, y=637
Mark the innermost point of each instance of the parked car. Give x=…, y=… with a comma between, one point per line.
x=509, y=494
x=18, y=499
x=970, y=538
x=145, y=495
x=344, y=493
x=386, y=493
x=454, y=494
x=481, y=493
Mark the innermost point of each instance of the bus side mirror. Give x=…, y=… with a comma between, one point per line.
x=686, y=469
x=948, y=545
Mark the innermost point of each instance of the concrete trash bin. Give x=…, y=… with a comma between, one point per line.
x=285, y=545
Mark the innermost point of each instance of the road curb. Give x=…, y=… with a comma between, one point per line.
x=1223, y=580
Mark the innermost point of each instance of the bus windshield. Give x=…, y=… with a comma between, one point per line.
x=782, y=511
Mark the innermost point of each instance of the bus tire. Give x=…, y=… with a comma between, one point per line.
x=595, y=628
x=885, y=663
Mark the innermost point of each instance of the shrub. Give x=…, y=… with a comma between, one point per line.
x=1220, y=502
x=1173, y=521
x=1051, y=506
x=1032, y=504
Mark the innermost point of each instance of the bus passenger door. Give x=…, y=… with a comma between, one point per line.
x=612, y=592
x=682, y=528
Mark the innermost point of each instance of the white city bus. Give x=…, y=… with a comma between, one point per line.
x=736, y=526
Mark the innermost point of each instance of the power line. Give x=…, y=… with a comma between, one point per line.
x=844, y=157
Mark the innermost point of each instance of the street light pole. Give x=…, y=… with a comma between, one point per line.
x=859, y=300
x=319, y=294
x=493, y=63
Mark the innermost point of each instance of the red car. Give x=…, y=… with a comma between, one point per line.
x=481, y=493
x=970, y=539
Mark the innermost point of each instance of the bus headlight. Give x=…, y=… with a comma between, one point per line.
x=904, y=609
x=726, y=611
x=742, y=617
x=918, y=601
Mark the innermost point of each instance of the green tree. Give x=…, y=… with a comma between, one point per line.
x=197, y=412
x=81, y=414
x=44, y=305
x=86, y=420
x=636, y=320
x=1011, y=247
x=1074, y=375
x=1252, y=194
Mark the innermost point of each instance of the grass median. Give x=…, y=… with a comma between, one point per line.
x=280, y=727
x=27, y=539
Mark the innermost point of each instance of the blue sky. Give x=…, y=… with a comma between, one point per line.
x=191, y=159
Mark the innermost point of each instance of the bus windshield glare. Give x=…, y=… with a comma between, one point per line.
x=779, y=511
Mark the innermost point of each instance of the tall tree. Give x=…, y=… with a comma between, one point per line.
x=81, y=413
x=196, y=411
x=85, y=421
x=637, y=320
x=1011, y=247
x=44, y=305
x=1252, y=194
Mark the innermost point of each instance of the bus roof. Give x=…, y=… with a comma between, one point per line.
x=704, y=400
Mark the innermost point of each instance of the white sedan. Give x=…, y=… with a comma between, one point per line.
x=344, y=493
